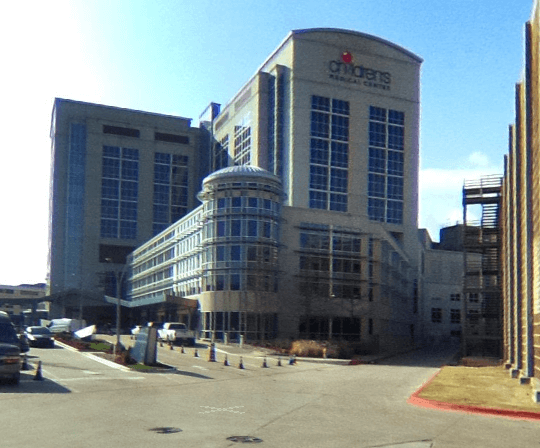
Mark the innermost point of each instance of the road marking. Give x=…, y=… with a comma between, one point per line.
x=89, y=378
x=229, y=409
x=199, y=367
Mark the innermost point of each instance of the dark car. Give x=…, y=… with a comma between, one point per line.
x=39, y=337
x=10, y=351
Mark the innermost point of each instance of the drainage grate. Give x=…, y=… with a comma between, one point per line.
x=166, y=430
x=244, y=439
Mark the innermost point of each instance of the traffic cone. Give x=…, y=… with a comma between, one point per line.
x=182, y=350
x=264, y=364
x=25, y=365
x=212, y=353
x=171, y=347
x=226, y=362
x=196, y=353
x=241, y=365
x=38, y=376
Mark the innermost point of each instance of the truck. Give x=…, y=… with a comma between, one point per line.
x=176, y=332
x=65, y=325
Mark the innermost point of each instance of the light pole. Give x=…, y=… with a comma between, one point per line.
x=118, y=277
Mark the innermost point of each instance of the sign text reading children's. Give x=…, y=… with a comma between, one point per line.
x=358, y=74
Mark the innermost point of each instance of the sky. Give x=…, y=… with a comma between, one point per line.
x=175, y=57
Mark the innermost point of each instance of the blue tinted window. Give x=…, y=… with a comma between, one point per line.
x=320, y=125
x=236, y=227
x=317, y=199
x=395, y=163
x=161, y=213
x=128, y=229
x=340, y=155
x=376, y=185
x=109, y=209
x=377, y=160
x=318, y=178
x=319, y=151
x=395, y=187
x=110, y=189
x=128, y=210
x=340, y=128
x=338, y=202
x=111, y=151
x=235, y=253
x=128, y=153
x=111, y=168
x=129, y=190
x=340, y=107
x=376, y=209
x=320, y=103
x=396, y=117
x=377, y=134
x=338, y=180
x=252, y=227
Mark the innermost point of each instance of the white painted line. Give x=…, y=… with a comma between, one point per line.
x=91, y=378
x=107, y=362
x=199, y=367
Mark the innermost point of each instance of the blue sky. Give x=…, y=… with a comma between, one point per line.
x=175, y=57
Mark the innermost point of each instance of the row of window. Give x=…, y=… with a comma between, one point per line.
x=386, y=165
x=245, y=202
x=119, y=192
x=437, y=315
x=342, y=242
x=239, y=253
x=329, y=158
x=326, y=264
x=136, y=133
x=241, y=281
x=171, y=182
x=241, y=227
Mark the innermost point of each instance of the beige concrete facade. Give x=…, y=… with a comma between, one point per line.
x=103, y=192
x=334, y=115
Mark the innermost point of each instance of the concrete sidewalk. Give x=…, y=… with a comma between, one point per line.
x=486, y=390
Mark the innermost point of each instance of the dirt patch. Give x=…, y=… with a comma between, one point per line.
x=489, y=386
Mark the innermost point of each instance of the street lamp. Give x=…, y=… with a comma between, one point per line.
x=118, y=287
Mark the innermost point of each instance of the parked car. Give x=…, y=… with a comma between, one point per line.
x=176, y=332
x=39, y=337
x=10, y=350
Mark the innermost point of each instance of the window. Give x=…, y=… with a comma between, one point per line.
x=242, y=144
x=455, y=316
x=473, y=297
x=119, y=192
x=171, y=138
x=118, y=130
x=171, y=183
x=386, y=165
x=436, y=315
x=329, y=158
x=221, y=153
x=455, y=297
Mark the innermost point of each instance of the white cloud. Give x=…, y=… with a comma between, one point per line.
x=479, y=159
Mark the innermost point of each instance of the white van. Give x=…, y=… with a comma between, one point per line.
x=65, y=325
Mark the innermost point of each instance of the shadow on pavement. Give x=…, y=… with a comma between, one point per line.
x=431, y=356
x=30, y=386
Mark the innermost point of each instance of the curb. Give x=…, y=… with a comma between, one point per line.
x=415, y=400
